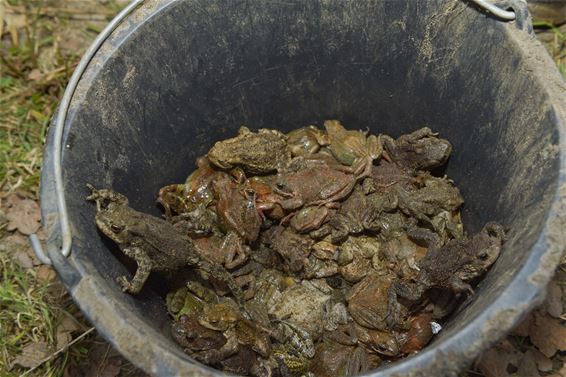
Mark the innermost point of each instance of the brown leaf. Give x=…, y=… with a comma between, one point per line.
x=68, y=324
x=109, y=369
x=32, y=355
x=522, y=329
x=35, y=74
x=23, y=259
x=63, y=338
x=23, y=214
x=553, y=303
x=527, y=366
x=45, y=274
x=494, y=362
x=20, y=250
x=547, y=334
x=544, y=364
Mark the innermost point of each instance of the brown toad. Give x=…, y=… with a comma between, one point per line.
x=355, y=149
x=450, y=266
x=293, y=247
x=434, y=196
x=358, y=213
x=237, y=330
x=196, y=338
x=421, y=149
x=317, y=184
x=152, y=242
x=256, y=153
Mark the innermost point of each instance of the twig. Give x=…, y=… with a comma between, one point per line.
x=61, y=350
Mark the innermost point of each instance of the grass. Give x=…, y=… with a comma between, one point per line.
x=30, y=311
x=37, y=57
x=555, y=44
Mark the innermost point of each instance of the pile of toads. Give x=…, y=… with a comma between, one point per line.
x=321, y=252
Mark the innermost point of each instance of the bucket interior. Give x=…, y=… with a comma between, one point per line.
x=197, y=70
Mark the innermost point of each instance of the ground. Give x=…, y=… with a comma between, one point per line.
x=42, y=333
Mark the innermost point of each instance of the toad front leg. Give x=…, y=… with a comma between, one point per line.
x=142, y=273
x=234, y=251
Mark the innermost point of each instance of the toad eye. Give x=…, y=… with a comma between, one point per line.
x=116, y=228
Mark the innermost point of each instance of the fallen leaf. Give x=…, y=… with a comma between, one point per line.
x=23, y=259
x=23, y=215
x=553, y=302
x=20, y=249
x=494, y=362
x=109, y=369
x=32, y=355
x=35, y=74
x=68, y=324
x=63, y=338
x=544, y=364
x=45, y=274
x=17, y=239
x=547, y=334
x=522, y=329
x=527, y=366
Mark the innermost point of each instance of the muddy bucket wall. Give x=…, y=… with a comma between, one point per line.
x=177, y=75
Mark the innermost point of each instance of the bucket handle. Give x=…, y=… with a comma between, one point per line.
x=503, y=14
x=66, y=235
x=508, y=10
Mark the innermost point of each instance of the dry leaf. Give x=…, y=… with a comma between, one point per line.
x=32, y=355
x=35, y=74
x=522, y=329
x=19, y=248
x=110, y=370
x=23, y=215
x=547, y=334
x=63, y=338
x=553, y=303
x=494, y=362
x=107, y=370
x=544, y=364
x=45, y=274
x=527, y=366
x=23, y=259
x=68, y=324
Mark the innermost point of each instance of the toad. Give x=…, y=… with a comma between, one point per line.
x=293, y=247
x=450, y=266
x=238, y=218
x=306, y=141
x=196, y=338
x=316, y=184
x=435, y=195
x=152, y=242
x=421, y=149
x=333, y=359
x=197, y=190
x=355, y=149
x=367, y=301
x=256, y=153
x=358, y=213
x=303, y=306
x=237, y=330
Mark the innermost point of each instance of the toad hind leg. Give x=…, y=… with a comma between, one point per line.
x=400, y=288
x=142, y=272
